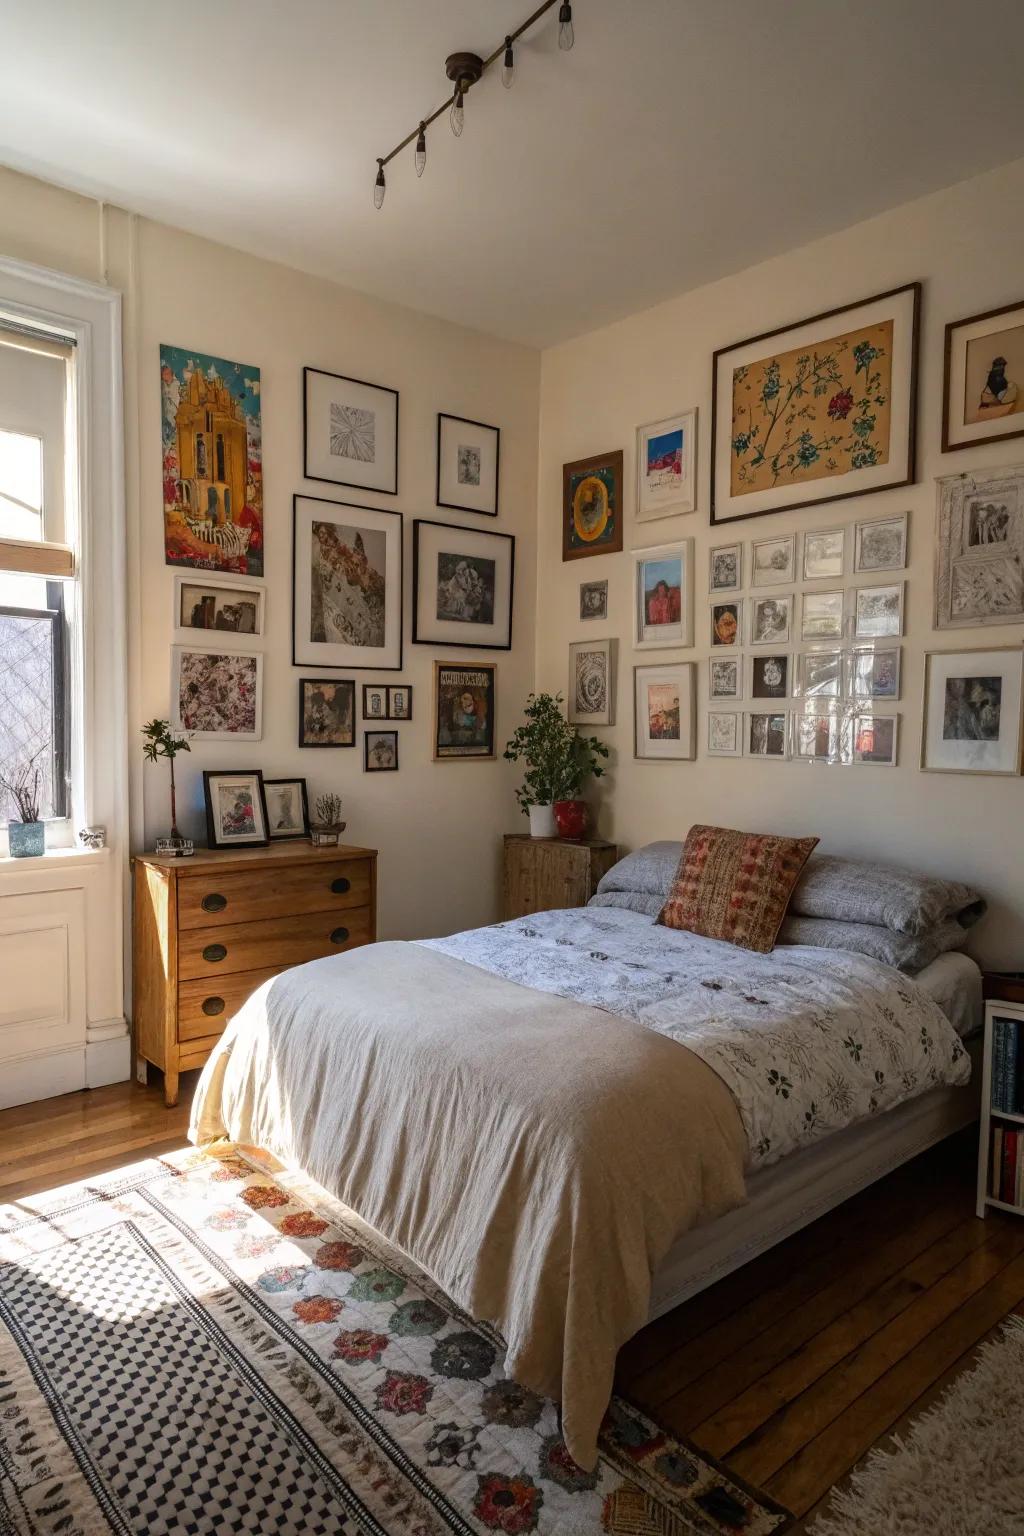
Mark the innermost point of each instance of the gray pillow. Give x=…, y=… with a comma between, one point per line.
x=849, y=891
x=650, y=871
x=628, y=901
x=907, y=952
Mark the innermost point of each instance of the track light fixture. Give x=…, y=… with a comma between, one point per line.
x=464, y=70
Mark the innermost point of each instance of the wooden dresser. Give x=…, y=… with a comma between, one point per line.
x=545, y=872
x=210, y=929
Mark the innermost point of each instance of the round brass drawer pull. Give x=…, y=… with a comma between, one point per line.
x=213, y=1005
x=214, y=952
x=341, y=885
x=339, y=936
x=215, y=902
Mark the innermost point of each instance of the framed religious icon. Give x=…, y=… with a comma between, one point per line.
x=973, y=704
x=592, y=506
x=462, y=586
x=983, y=390
x=468, y=459
x=464, y=709
x=666, y=458
x=663, y=596
x=664, y=699
x=350, y=431
x=346, y=585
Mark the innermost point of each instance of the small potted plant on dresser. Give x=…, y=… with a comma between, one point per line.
x=558, y=761
x=327, y=829
x=26, y=837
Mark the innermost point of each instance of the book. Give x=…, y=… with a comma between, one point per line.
x=1008, y=1183
x=995, y=1168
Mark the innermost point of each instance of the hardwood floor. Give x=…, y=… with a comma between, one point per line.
x=788, y=1370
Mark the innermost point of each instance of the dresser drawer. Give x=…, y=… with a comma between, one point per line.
x=205, y=1006
x=247, y=896
x=273, y=944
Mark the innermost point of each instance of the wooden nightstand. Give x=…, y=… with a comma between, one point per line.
x=211, y=929
x=545, y=872
x=1001, y=1131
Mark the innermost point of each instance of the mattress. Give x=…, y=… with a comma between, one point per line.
x=954, y=982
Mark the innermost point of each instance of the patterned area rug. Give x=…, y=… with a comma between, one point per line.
x=207, y=1343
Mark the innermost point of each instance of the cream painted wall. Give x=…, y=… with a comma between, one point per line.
x=963, y=243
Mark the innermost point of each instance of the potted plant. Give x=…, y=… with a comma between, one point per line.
x=328, y=827
x=558, y=763
x=159, y=742
x=26, y=837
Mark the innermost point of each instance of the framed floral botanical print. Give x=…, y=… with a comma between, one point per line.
x=350, y=431
x=468, y=462
x=592, y=506
x=983, y=392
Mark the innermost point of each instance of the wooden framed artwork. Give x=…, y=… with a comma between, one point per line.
x=468, y=463
x=591, y=694
x=346, y=585
x=233, y=612
x=327, y=712
x=236, y=810
x=217, y=695
x=380, y=751
x=664, y=711
x=983, y=387
x=979, y=550
x=663, y=596
x=287, y=808
x=973, y=711
x=465, y=697
x=592, y=506
x=462, y=586
x=349, y=431
x=666, y=464
x=816, y=411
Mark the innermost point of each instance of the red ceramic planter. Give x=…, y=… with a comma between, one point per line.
x=571, y=818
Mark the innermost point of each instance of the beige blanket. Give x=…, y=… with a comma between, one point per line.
x=536, y=1156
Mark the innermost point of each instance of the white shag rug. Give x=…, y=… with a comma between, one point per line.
x=960, y=1470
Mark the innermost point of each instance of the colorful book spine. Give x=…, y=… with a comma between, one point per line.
x=995, y=1167
x=1008, y=1184
x=1006, y=1066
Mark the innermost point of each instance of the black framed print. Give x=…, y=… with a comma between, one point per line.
x=287, y=808
x=468, y=465
x=346, y=585
x=349, y=431
x=327, y=712
x=462, y=585
x=236, y=810
x=399, y=701
x=380, y=751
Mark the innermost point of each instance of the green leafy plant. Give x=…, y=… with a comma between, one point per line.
x=558, y=759
x=328, y=811
x=158, y=742
x=24, y=785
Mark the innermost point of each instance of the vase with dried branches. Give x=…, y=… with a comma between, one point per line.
x=328, y=827
x=23, y=784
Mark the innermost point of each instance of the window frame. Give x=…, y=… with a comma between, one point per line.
x=60, y=779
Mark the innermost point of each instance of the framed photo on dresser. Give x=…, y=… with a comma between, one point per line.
x=236, y=810
x=346, y=585
x=462, y=586
x=287, y=808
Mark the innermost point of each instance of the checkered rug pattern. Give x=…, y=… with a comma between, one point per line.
x=206, y=1343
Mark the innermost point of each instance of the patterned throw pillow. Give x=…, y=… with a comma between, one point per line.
x=735, y=886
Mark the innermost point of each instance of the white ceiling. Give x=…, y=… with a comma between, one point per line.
x=679, y=141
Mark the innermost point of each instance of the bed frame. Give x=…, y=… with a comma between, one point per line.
x=802, y=1187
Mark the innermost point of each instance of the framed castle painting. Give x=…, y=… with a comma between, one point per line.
x=346, y=585
x=817, y=411
x=983, y=392
x=592, y=506
x=350, y=431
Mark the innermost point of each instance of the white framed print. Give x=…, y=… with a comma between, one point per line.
x=216, y=695
x=873, y=672
x=878, y=611
x=773, y=561
x=771, y=620
x=724, y=733
x=819, y=675
x=462, y=584
x=767, y=734
x=591, y=695
x=727, y=624
x=664, y=700
x=880, y=544
x=350, y=431
x=468, y=465
x=725, y=573
x=817, y=736
x=824, y=554
x=232, y=610
x=821, y=615
x=725, y=677
x=666, y=461
x=346, y=585
x=873, y=739
x=973, y=703
x=663, y=595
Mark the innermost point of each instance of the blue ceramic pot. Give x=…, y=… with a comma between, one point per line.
x=27, y=839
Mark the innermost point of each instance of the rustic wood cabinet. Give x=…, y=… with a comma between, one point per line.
x=211, y=929
x=545, y=872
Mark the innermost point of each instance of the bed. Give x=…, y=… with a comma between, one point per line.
x=511, y=1108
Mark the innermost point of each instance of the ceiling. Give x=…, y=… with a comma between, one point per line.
x=679, y=141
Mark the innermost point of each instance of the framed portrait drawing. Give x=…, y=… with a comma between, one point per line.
x=767, y=735
x=881, y=544
x=771, y=620
x=816, y=411
x=465, y=695
x=399, y=701
x=217, y=695
x=468, y=462
x=819, y=675
x=350, y=431
x=664, y=711
x=593, y=599
x=824, y=554
x=592, y=506
x=773, y=561
x=236, y=811
x=725, y=677
x=873, y=739
x=878, y=611
x=462, y=581
x=973, y=710
x=327, y=712
x=591, y=694
x=233, y=612
x=663, y=596
x=380, y=751
x=725, y=733
x=983, y=391
x=346, y=585
x=725, y=572
x=666, y=462
x=287, y=808
x=727, y=624
x=979, y=553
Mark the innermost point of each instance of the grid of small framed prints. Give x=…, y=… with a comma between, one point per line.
x=804, y=633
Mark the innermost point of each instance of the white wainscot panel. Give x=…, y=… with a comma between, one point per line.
x=43, y=1010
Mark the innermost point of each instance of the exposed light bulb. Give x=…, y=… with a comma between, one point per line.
x=566, y=36
x=508, y=66
x=420, y=157
x=458, y=113
x=379, y=186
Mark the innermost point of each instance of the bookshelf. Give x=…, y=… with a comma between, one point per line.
x=1001, y=1131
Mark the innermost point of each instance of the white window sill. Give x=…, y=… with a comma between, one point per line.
x=53, y=858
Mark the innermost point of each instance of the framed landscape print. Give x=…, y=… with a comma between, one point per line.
x=773, y=561
x=327, y=712
x=380, y=751
x=973, y=710
x=217, y=695
x=468, y=461
x=593, y=599
x=346, y=585
x=236, y=811
x=979, y=553
x=881, y=544
x=462, y=582
x=591, y=696
x=766, y=734
x=725, y=679
x=212, y=456
x=873, y=739
x=287, y=808
x=666, y=460
x=824, y=554
x=664, y=699
x=592, y=506
x=819, y=675
x=663, y=595
x=350, y=431
x=727, y=624
x=235, y=612
x=983, y=394
x=771, y=620
x=878, y=611
x=873, y=672
x=725, y=733
x=821, y=615
x=726, y=569
x=816, y=411
x=464, y=709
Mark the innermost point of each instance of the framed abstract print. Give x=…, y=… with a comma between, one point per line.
x=462, y=581
x=727, y=624
x=725, y=677
x=593, y=599
x=979, y=553
x=666, y=461
x=725, y=733
x=767, y=735
x=663, y=596
x=824, y=554
x=725, y=572
x=350, y=431
x=468, y=461
x=816, y=411
x=771, y=620
x=287, y=808
x=873, y=739
x=881, y=544
x=592, y=506
x=773, y=561
x=234, y=613
x=465, y=695
x=878, y=611
x=664, y=700
x=327, y=712
x=380, y=751
x=983, y=392
x=591, y=694
x=346, y=585
x=217, y=695
x=399, y=701
x=236, y=811
x=973, y=703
